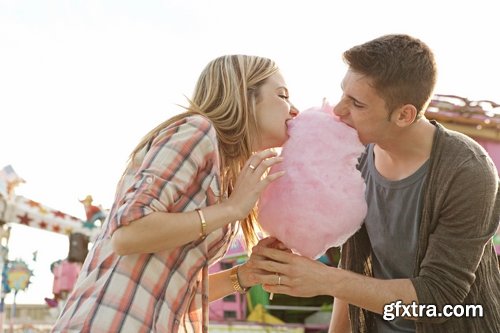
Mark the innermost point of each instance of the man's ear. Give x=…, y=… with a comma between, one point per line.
x=405, y=115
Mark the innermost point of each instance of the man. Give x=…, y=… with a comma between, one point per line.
x=424, y=256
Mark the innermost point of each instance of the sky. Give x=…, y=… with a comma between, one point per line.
x=82, y=81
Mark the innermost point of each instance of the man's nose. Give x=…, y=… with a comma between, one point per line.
x=339, y=109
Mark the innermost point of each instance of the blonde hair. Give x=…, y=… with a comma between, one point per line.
x=226, y=93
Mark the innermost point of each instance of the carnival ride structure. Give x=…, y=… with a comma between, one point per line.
x=16, y=209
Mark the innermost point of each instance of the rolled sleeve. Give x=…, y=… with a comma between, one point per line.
x=468, y=220
x=170, y=171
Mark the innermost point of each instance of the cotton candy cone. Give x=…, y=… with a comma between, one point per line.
x=320, y=201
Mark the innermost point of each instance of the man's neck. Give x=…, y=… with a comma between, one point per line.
x=404, y=154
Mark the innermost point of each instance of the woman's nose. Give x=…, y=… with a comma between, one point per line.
x=294, y=112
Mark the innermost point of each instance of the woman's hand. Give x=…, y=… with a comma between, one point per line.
x=283, y=272
x=249, y=274
x=251, y=183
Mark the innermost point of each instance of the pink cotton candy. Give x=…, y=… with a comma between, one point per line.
x=320, y=201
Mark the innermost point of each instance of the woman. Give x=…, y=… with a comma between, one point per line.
x=187, y=183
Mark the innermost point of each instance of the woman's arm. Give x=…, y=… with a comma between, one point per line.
x=161, y=231
x=220, y=283
x=340, y=317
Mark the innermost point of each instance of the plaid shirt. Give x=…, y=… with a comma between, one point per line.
x=164, y=291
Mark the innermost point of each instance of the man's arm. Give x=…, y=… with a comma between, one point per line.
x=305, y=277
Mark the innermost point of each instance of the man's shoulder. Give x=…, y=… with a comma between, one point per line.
x=455, y=144
x=455, y=151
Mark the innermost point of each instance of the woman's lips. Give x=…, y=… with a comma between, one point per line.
x=288, y=125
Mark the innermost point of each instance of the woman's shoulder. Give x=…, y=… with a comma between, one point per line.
x=196, y=127
x=193, y=134
x=194, y=123
x=199, y=120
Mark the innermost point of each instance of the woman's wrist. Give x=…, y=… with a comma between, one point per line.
x=231, y=211
x=234, y=276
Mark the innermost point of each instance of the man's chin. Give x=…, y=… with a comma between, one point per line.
x=354, y=128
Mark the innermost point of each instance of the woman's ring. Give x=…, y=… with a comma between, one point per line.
x=251, y=167
x=279, y=280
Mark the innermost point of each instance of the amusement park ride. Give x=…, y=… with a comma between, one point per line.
x=478, y=119
x=18, y=209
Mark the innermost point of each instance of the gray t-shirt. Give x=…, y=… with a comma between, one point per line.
x=392, y=223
